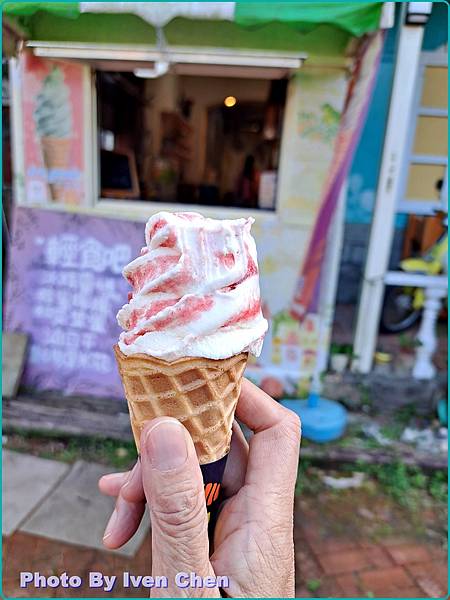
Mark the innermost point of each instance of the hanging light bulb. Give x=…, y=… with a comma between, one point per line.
x=230, y=101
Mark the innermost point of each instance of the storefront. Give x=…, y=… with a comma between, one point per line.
x=227, y=109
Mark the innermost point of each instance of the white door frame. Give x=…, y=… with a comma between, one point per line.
x=17, y=132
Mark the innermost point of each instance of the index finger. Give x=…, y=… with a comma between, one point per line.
x=258, y=410
x=274, y=449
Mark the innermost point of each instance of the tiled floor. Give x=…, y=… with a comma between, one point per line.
x=352, y=567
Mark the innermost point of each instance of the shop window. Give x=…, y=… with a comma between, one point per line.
x=211, y=141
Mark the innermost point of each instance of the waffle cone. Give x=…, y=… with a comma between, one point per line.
x=202, y=393
x=56, y=154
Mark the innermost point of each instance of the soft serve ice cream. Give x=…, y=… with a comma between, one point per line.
x=53, y=110
x=54, y=124
x=195, y=290
x=192, y=318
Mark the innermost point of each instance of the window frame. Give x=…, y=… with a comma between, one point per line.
x=286, y=62
x=437, y=58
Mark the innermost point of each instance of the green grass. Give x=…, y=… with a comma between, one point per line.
x=313, y=585
x=115, y=453
x=308, y=481
x=405, y=414
x=392, y=431
x=112, y=452
x=366, y=400
x=438, y=486
x=406, y=485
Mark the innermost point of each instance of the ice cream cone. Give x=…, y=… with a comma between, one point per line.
x=56, y=154
x=202, y=393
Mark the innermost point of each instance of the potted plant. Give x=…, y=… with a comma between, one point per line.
x=407, y=356
x=339, y=357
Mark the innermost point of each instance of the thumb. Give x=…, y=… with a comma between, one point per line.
x=173, y=487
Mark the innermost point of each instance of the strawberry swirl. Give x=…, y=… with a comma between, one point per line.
x=195, y=290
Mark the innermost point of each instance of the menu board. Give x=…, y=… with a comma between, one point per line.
x=64, y=288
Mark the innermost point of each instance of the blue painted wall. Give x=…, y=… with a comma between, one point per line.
x=436, y=32
x=366, y=163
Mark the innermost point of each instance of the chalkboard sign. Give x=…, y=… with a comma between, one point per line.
x=118, y=174
x=64, y=288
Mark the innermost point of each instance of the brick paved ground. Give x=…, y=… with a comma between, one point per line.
x=340, y=567
x=349, y=565
x=24, y=552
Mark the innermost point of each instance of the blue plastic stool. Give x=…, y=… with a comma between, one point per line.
x=322, y=420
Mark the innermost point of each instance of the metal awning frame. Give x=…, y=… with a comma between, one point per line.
x=184, y=60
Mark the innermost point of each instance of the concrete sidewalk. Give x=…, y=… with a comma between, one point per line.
x=59, y=502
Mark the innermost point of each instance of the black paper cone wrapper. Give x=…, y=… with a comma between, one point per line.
x=212, y=479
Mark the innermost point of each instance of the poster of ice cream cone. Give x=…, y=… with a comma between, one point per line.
x=52, y=97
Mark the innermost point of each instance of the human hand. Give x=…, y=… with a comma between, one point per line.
x=253, y=539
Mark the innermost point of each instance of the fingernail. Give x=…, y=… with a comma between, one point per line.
x=165, y=445
x=110, y=527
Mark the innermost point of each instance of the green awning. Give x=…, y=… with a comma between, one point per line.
x=318, y=29
x=27, y=9
x=355, y=17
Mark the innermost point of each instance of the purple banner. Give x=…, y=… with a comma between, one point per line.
x=359, y=93
x=64, y=288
